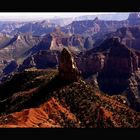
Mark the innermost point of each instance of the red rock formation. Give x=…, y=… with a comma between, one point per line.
x=67, y=67
x=40, y=60
x=75, y=105
x=129, y=36
x=121, y=63
x=90, y=64
x=122, y=60
x=49, y=115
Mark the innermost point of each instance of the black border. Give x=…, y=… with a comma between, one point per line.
x=63, y=133
x=70, y=6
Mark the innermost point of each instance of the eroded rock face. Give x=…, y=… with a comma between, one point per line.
x=12, y=66
x=121, y=60
x=90, y=64
x=120, y=74
x=91, y=27
x=67, y=67
x=121, y=63
x=56, y=41
x=134, y=18
x=129, y=36
x=40, y=60
x=27, y=63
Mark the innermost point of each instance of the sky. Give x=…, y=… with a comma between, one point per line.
x=26, y=16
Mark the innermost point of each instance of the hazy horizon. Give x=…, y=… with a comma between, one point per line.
x=30, y=16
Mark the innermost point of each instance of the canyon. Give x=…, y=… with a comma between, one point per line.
x=78, y=74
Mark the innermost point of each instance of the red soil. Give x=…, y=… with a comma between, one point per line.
x=49, y=114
